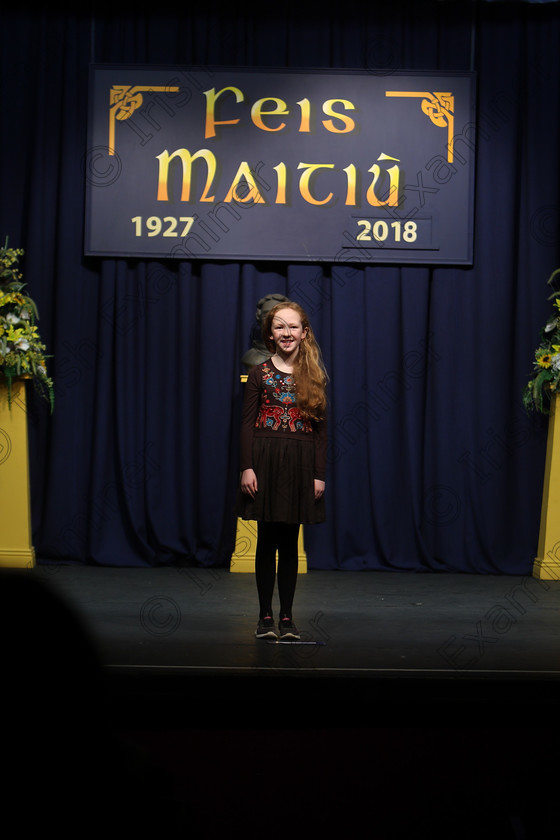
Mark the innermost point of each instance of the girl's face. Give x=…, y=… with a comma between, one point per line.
x=287, y=332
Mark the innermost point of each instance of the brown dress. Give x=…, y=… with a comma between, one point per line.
x=286, y=452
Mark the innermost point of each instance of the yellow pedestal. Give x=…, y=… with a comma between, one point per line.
x=547, y=564
x=243, y=557
x=16, y=549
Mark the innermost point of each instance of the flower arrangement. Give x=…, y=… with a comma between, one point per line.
x=21, y=350
x=545, y=383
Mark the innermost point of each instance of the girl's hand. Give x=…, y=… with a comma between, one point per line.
x=319, y=488
x=249, y=483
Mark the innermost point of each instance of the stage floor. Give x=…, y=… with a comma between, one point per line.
x=444, y=636
x=428, y=703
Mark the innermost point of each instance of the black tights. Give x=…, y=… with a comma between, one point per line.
x=273, y=537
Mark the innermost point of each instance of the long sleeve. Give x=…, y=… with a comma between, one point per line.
x=251, y=404
x=320, y=433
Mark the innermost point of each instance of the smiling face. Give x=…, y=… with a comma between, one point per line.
x=287, y=332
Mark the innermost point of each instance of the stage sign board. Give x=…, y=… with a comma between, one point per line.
x=252, y=164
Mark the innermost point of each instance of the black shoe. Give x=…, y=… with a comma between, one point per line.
x=266, y=629
x=288, y=629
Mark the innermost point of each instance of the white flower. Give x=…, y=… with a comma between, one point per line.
x=555, y=361
x=12, y=319
x=23, y=344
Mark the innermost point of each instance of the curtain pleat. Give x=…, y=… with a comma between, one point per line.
x=433, y=464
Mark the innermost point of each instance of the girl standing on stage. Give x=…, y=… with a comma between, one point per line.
x=283, y=457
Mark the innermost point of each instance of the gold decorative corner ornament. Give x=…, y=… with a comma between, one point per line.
x=124, y=100
x=439, y=107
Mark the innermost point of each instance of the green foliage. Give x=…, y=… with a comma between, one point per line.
x=22, y=352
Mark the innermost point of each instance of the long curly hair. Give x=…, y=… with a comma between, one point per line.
x=309, y=370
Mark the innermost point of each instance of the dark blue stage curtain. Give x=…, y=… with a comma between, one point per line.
x=433, y=465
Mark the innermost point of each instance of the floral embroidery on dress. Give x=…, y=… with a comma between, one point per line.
x=286, y=415
x=270, y=416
